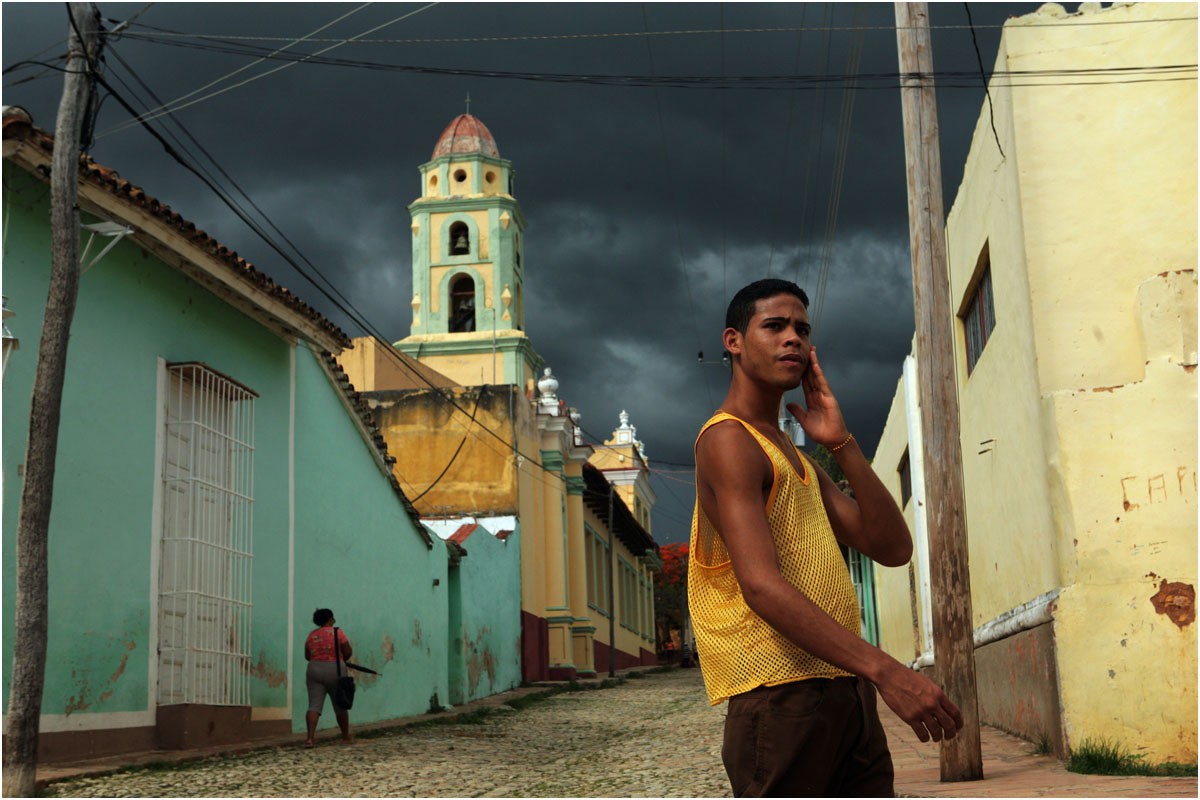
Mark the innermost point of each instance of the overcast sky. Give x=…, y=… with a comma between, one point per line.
x=648, y=205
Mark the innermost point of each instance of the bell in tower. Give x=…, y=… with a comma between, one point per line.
x=460, y=239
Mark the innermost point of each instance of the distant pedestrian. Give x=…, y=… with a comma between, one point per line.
x=775, y=612
x=322, y=658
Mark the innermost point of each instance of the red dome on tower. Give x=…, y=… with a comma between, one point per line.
x=466, y=135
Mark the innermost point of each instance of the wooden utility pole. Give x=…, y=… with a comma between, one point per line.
x=29, y=642
x=954, y=651
x=612, y=598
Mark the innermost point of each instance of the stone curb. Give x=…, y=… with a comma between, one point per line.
x=48, y=774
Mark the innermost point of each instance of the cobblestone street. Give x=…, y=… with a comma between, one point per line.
x=654, y=735
x=604, y=743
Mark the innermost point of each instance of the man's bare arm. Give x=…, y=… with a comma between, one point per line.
x=731, y=473
x=871, y=523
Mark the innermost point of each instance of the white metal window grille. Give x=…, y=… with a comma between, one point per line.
x=204, y=580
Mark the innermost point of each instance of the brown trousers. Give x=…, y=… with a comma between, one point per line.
x=814, y=738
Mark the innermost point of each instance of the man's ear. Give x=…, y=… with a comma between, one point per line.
x=732, y=339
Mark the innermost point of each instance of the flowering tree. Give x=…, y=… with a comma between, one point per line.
x=670, y=591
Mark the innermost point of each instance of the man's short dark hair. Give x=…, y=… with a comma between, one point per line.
x=321, y=616
x=742, y=306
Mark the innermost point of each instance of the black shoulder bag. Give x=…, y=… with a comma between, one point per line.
x=343, y=694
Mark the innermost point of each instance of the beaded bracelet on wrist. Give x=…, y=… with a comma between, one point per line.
x=842, y=444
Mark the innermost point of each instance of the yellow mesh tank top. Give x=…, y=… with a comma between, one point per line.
x=738, y=650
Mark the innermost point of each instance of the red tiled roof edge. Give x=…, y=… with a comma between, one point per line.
x=464, y=531
x=18, y=128
x=377, y=441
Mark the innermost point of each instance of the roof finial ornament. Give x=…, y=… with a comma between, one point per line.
x=468, y=102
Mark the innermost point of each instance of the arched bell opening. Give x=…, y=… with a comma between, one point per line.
x=462, y=304
x=460, y=239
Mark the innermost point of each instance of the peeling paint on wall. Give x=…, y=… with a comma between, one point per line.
x=388, y=647
x=480, y=659
x=120, y=670
x=265, y=672
x=1177, y=601
x=82, y=699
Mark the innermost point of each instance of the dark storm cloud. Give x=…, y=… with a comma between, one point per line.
x=647, y=207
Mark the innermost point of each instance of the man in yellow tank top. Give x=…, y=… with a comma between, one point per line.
x=774, y=610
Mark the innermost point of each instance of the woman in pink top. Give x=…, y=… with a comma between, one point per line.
x=323, y=673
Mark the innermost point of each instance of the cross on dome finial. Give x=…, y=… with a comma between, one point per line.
x=468, y=102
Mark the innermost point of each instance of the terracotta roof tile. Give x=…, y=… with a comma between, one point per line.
x=363, y=411
x=16, y=127
x=461, y=535
x=466, y=135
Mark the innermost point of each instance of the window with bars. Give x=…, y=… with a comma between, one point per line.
x=599, y=597
x=979, y=318
x=862, y=574
x=628, y=589
x=204, y=576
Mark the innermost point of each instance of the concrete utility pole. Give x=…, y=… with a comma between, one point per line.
x=954, y=659
x=29, y=643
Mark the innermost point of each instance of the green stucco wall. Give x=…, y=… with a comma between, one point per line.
x=131, y=312
x=362, y=557
x=353, y=546
x=490, y=631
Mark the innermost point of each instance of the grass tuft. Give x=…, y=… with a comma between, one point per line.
x=1105, y=757
x=526, y=700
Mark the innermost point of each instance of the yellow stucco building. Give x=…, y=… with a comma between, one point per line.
x=477, y=427
x=1072, y=255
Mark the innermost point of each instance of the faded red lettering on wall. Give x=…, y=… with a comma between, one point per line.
x=1126, y=502
x=1177, y=601
x=1156, y=489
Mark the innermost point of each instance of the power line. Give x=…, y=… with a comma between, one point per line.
x=275, y=55
x=662, y=129
x=817, y=130
x=839, y=172
x=983, y=78
x=343, y=304
x=951, y=79
x=151, y=33
x=467, y=433
x=723, y=193
x=175, y=104
x=787, y=143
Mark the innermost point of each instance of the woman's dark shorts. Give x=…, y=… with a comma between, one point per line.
x=322, y=680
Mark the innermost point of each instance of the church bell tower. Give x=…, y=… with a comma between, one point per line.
x=468, y=279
